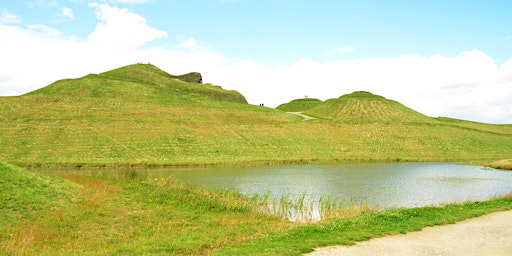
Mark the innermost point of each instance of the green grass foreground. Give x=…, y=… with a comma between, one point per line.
x=123, y=213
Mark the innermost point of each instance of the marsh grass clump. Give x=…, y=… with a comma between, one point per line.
x=305, y=208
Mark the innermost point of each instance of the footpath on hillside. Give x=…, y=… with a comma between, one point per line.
x=487, y=235
x=302, y=115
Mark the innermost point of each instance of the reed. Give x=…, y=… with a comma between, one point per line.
x=305, y=208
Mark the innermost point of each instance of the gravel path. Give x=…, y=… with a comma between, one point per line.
x=302, y=115
x=487, y=235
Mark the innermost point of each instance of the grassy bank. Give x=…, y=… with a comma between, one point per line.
x=102, y=212
x=346, y=231
x=120, y=213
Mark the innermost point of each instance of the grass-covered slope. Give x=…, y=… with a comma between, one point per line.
x=119, y=213
x=25, y=195
x=364, y=107
x=138, y=82
x=134, y=114
x=299, y=105
x=27, y=199
x=142, y=115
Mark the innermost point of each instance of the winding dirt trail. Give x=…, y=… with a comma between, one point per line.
x=302, y=115
x=487, y=235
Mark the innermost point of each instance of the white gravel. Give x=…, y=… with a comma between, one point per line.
x=487, y=235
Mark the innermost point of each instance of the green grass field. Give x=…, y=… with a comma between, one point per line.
x=141, y=115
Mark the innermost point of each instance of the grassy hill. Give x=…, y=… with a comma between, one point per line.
x=299, y=105
x=141, y=115
x=364, y=107
x=138, y=82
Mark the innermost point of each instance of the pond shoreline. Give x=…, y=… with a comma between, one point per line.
x=486, y=162
x=400, y=184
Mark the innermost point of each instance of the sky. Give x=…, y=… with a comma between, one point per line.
x=439, y=57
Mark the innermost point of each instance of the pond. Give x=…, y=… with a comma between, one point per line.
x=381, y=185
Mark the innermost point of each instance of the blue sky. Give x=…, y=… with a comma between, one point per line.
x=450, y=57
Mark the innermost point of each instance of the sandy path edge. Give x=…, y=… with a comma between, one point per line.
x=490, y=234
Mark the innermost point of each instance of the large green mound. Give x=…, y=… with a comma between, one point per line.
x=140, y=115
x=299, y=105
x=140, y=82
x=364, y=107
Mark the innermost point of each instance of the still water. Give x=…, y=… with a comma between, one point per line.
x=381, y=185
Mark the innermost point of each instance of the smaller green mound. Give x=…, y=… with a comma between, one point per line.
x=299, y=105
x=27, y=195
x=363, y=107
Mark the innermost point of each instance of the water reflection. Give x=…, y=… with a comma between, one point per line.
x=376, y=184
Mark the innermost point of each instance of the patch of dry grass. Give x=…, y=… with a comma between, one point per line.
x=505, y=164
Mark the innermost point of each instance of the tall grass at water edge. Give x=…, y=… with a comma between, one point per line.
x=305, y=208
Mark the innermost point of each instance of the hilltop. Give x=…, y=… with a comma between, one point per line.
x=365, y=107
x=140, y=82
x=141, y=115
x=299, y=105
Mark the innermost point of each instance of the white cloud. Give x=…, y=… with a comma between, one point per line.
x=44, y=31
x=120, y=28
x=8, y=18
x=48, y=55
x=192, y=44
x=469, y=86
x=67, y=13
